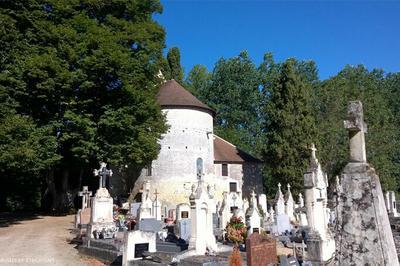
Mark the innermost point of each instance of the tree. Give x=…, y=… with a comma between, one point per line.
x=289, y=127
x=174, y=65
x=85, y=71
x=357, y=83
x=199, y=81
x=234, y=93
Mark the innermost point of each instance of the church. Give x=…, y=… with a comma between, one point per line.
x=190, y=151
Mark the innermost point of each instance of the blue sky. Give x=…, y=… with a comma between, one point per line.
x=332, y=34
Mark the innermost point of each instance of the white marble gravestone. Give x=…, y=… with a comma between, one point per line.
x=101, y=222
x=279, y=201
x=202, y=206
x=262, y=202
x=135, y=242
x=253, y=216
x=289, y=204
x=146, y=206
x=321, y=243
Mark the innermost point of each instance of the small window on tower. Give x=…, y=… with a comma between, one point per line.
x=224, y=169
x=232, y=187
x=148, y=170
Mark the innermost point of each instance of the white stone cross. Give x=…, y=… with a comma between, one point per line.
x=103, y=173
x=85, y=194
x=356, y=126
x=301, y=200
x=313, y=151
x=279, y=187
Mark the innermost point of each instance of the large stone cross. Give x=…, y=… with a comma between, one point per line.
x=103, y=173
x=85, y=194
x=356, y=126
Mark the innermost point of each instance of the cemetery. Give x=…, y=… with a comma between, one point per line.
x=201, y=228
x=113, y=153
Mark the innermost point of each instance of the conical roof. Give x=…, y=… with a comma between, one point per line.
x=172, y=94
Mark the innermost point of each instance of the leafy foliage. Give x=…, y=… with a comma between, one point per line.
x=86, y=72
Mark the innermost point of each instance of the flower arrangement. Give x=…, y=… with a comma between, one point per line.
x=236, y=230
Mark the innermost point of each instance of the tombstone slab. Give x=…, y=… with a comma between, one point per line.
x=261, y=250
x=135, y=243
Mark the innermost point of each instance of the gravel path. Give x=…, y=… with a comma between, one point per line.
x=41, y=241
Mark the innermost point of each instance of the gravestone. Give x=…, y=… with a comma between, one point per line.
x=135, y=243
x=321, y=242
x=253, y=217
x=202, y=206
x=364, y=236
x=134, y=209
x=102, y=221
x=184, y=229
x=279, y=201
x=85, y=194
x=391, y=204
x=149, y=225
x=289, y=204
x=261, y=250
x=146, y=206
x=85, y=216
x=283, y=223
x=262, y=202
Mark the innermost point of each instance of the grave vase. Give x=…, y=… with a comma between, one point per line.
x=235, y=259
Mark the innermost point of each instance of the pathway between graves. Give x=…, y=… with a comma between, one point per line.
x=43, y=240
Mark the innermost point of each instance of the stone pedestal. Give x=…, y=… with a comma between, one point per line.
x=364, y=236
x=320, y=251
x=135, y=243
x=102, y=223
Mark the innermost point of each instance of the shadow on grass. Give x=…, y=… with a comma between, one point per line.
x=11, y=218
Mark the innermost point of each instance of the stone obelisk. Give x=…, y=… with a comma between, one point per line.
x=363, y=235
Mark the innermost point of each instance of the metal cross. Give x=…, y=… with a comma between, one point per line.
x=103, y=173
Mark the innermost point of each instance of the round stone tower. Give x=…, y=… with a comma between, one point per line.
x=186, y=150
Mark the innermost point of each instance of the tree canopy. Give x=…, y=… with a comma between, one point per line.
x=83, y=74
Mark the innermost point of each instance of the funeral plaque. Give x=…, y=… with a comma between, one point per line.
x=140, y=248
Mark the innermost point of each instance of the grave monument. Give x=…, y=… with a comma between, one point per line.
x=320, y=242
x=102, y=223
x=364, y=236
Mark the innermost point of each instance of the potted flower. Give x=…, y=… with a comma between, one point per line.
x=236, y=233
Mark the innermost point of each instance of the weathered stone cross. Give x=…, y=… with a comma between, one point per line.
x=85, y=194
x=356, y=126
x=103, y=173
